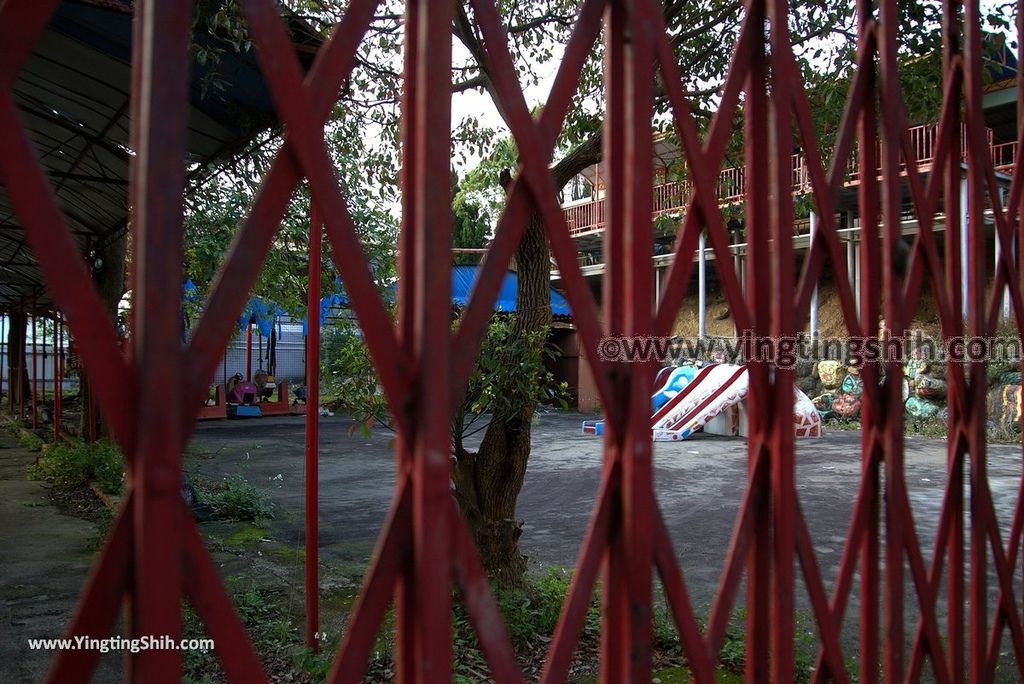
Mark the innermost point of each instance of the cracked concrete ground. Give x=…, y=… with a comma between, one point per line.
x=699, y=485
x=45, y=560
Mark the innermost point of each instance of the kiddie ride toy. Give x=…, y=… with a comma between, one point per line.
x=271, y=395
x=709, y=399
x=242, y=398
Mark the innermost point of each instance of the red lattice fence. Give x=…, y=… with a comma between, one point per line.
x=425, y=548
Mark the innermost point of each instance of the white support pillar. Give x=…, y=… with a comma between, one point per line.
x=854, y=248
x=852, y=270
x=814, y=295
x=963, y=246
x=741, y=277
x=657, y=287
x=1004, y=296
x=702, y=287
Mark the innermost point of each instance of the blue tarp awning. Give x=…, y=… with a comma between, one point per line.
x=266, y=314
x=464, y=277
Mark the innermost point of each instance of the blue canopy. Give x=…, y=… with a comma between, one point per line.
x=464, y=277
x=264, y=313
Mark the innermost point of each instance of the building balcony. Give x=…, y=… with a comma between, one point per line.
x=588, y=216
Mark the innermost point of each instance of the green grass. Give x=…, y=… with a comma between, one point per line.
x=249, y=534
x=274, y=622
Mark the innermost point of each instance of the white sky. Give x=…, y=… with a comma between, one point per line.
x=476, y=104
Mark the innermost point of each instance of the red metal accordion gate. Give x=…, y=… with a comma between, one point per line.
x=425, y=548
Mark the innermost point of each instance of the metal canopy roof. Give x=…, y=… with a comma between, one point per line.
x=73, y=96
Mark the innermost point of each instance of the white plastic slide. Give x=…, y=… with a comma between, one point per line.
x=715, y=389
x=713, y=401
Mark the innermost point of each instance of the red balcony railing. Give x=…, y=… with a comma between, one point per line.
x=671, y=197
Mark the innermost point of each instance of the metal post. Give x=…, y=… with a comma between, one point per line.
x=313, y=430
x=60, y=368
x=55, y=413
x=657, y=287
x=248, y=351
x=814, y=297
x=964, y=246
x=92, y=411
x=22, y=361
x=702, y=287
x=1004, y=296
x=42, y=383
x=4, y=357
x=741, y=276
x=35, y=369
x=854, y=250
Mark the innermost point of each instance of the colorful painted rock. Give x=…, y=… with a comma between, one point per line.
x=806, y=421
x=921, y=408
x=929, y=388
x=916, y=367
x=1004, y=405
x=846, y=406
x=823, y=402
x=1010, y=378
x=852, y=385
x=829, y=374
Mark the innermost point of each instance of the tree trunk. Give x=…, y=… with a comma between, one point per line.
x=110, y=282
x=487, y=483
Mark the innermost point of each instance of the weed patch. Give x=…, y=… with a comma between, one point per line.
x=75, y=464
x=235, y=498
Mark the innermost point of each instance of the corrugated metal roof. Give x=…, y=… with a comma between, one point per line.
x=73, y=98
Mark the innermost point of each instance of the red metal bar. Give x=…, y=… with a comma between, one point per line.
x=615, y=628
x=404, y=591
x=312, y=463
x=956, y=448
x=867, y=203
x=432, y=537
x=157, y=190
x=781, y=436
x=638, y=501
x=759, y=261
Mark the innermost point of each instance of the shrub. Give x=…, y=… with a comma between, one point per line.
x=237, y=499
x=73, y=464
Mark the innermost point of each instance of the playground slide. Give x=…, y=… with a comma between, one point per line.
x=715, y=389
x=712, y=400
